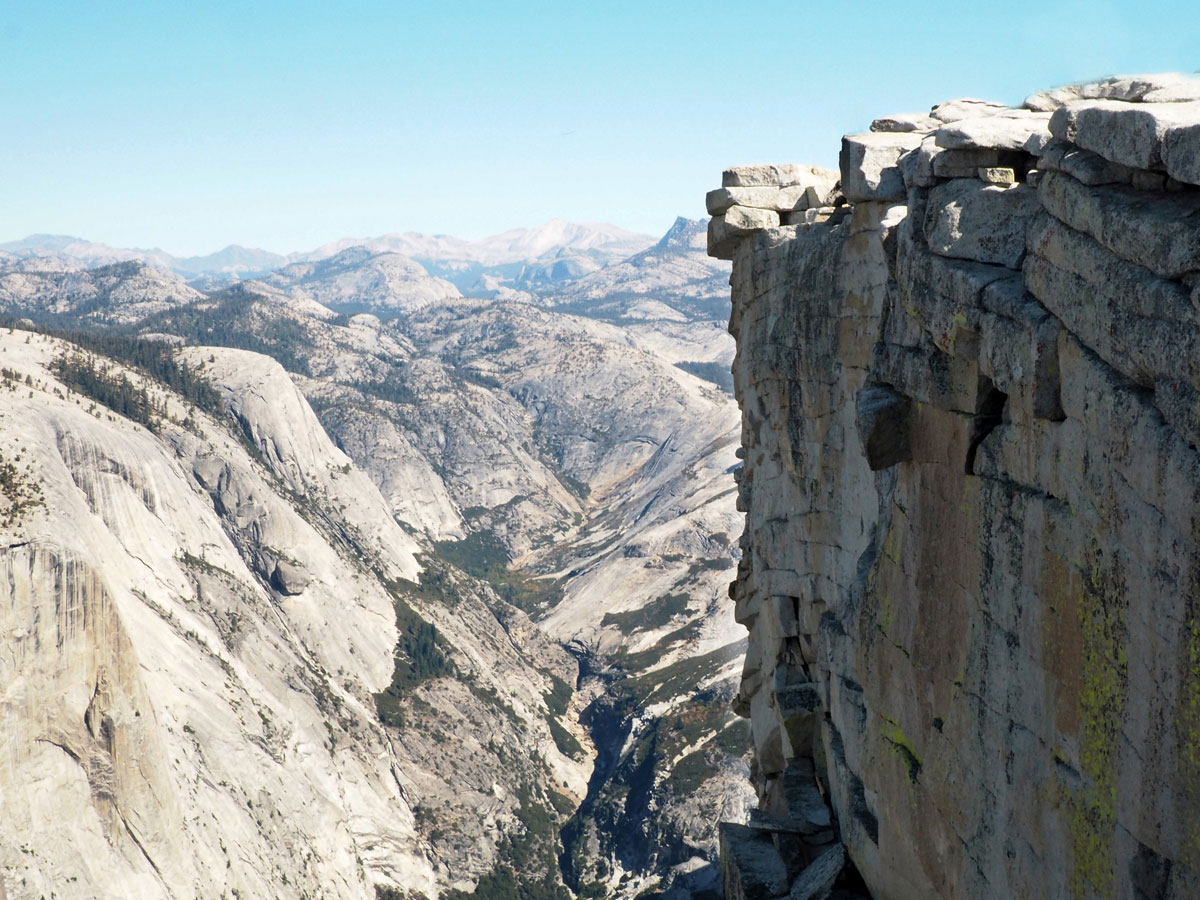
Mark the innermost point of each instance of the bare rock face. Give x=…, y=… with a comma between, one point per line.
x=201, y=613
x=972, y=487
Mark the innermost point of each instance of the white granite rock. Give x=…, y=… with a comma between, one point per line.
x=965, y=108
x=905, y=122
x=1127, y=133
x=869, y=165
x=1171, y=87
x=1004, y=131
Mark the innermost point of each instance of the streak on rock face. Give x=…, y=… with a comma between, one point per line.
x=971, y=469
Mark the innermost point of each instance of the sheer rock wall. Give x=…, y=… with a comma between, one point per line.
x=970, y=385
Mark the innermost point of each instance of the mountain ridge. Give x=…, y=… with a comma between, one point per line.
x=517, y=245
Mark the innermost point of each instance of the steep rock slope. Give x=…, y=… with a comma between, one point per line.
x=972, y=492
x=207, y=611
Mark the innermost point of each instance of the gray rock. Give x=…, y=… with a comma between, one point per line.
x=1127, y=133
x=869, y=165
x=719, y=201
x=956, y=612
x=905, y=122
x=1166, y=88
x=931, y=163
x=1181, y=152
x=739, y=222
x=289, y=579
x=965, y=108
x=1001, y=175
x=1159, y=231
x=1083, y=165
x=967, y=219
x=1010, y=130
x=773, y=175
x=752, y=868
x=816, y=881
x=1142, y=326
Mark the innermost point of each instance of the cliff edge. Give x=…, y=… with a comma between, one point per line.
x=970, y=389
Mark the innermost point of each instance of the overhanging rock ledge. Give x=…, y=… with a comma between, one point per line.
x=969, y=373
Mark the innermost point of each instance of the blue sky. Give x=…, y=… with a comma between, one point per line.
x=284, y=125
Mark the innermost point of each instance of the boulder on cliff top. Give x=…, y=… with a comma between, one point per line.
x=964, y=108
x=1171, y=87
x=905, y=122
x=1009, y=130
x=1128, y=133
x=772, y=175
x=869, y=164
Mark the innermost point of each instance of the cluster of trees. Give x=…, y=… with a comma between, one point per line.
x=156, y=359
x=82, y=373
x=420, y=655
x=225, y=320
x=18, y=492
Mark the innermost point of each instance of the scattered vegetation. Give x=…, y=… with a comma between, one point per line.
x=484, y=556
x=104, y=384
x=421, y=654
x=655, y=614
x=383, y=892
x=393, y=388
x=19, y=491
x=530, y=869
x=565, y=741
x=157, y=359
x=233, y=319
x=559, y=695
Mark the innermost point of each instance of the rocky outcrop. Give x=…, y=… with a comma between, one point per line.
x=971, y=571
x=119, y=293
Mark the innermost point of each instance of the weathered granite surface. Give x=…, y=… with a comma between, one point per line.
x=971, y=412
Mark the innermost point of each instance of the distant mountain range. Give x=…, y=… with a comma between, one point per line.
x=523, y=256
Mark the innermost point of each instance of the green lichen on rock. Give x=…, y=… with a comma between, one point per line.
x=903, y=748
x=1092, y=815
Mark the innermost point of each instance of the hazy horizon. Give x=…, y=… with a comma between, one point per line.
x=194, y=128
x=7, y=242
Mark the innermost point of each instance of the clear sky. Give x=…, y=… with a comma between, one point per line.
x=191, y=125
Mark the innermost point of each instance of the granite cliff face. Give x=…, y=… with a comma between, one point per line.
x=969, y=383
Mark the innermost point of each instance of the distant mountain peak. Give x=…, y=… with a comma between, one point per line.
x=683, y=233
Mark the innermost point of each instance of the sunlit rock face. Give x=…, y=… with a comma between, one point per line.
x=969, y=390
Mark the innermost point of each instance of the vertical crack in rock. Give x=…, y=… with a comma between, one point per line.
x=989, y=412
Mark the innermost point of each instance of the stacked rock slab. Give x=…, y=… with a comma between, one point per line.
x=970, y=391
